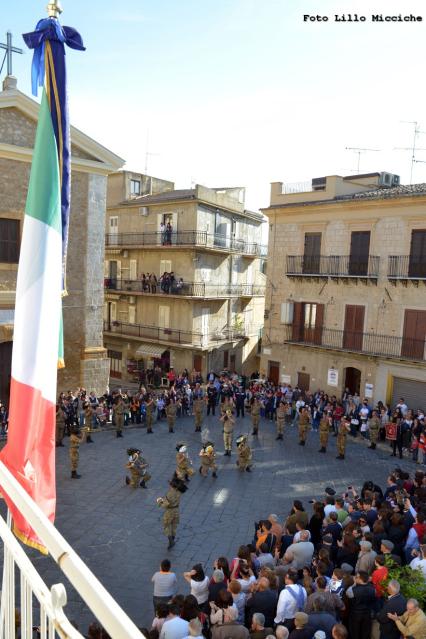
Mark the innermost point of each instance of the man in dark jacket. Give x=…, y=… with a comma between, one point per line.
x=263, y=600
x=362, y=598
x=395, y=603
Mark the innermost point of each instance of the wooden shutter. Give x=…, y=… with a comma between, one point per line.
x=360, y=250
x=417, y=261
x=354, y=327
x=311, y=256
x=297, y=322
x=414, y=335
x=133, y=270
x=319, y=324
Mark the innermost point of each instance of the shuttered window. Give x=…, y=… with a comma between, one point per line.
x=417, y=261
x=360, y=249
x=354, y=327
x=9, y=241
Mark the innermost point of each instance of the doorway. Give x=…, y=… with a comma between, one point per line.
x=303, y=381
x=113, y=272
x=274, y=372
x=198, y=363
x=353, y=380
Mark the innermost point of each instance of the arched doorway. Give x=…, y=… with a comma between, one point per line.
x=353, y=379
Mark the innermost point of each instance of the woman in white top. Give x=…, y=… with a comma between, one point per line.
x=246, y=578
x=199, y=585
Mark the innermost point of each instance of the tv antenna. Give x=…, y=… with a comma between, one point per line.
x=359, y=150
x=412, y=148
x=148, y=154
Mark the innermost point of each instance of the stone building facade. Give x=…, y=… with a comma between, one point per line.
x=85, y=356
x=345, y=301
x=212, y=315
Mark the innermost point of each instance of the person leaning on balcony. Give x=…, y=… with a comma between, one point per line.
x=373, y=429
x=152, y=279
x=198, y=405
x=304, y=423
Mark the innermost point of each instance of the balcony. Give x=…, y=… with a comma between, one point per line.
x=180, y=239
x=333, y=267
x=185, y=289
x=172, y=335
x=356, y=342
x=405, y=268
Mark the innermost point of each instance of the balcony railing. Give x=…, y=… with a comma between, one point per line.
x=188, y=289
x=186, y=238
x=332, y=266
x=357, y=342
x=406, y=267
x=176, y=336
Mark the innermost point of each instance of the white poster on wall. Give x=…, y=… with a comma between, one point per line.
x=369, y=391
x=333, y=377
x=285, y=379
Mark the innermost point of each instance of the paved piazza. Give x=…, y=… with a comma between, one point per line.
x=117, y=530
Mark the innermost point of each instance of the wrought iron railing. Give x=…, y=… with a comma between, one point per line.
x=190, y=289
x=177, y=336
x=185, y=238
x=405, y=267
x=333, y=266
x=29, y=594
x=357, y=342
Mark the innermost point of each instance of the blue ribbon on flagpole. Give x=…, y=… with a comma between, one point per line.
x=48, y=29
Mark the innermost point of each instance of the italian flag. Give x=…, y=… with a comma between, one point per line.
x=30, y=450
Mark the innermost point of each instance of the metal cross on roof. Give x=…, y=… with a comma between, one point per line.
x=8, y=55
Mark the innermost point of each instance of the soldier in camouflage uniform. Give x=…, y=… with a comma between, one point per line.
x=184, y=468
x=373, y=428
x=255, y=414
x=244, y=454
x=137, y=466
x=171, y=505
x=77, y=437
x=171, y=415
x=198, y=405
x=228, y=431
x=149, y=407
x=118, y=411
x=324, y=430
x=208, y=460
x=281, y=413
x=88, y=421
x=304, y=422
x=60, y=425
x=342, y=431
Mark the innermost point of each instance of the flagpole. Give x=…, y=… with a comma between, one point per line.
x=54, y=9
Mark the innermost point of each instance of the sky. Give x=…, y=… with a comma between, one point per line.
x=242, y=92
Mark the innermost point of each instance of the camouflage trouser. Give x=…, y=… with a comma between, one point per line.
x=374, y=435
x=205, y=467
x=323, y=439
x=119, y=422
x=183, y=471
x=74, y=454
x=171, y=423
x=149, y=421
x=59, y=433
x=198, y=416
x=243, y=462
x=280, y=425
x=255, y=419
x=341, y=444
x=170, y=522
x=303, y=430
x=227, y=440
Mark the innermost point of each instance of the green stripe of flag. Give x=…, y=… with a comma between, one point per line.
x=44, y=191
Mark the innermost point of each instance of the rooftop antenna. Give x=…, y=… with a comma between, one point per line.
x=412, y=148
x=147, y=153
x=359, y=150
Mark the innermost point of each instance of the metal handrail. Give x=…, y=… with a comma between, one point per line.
x=190, y=289
x=97, y=598
x=406, y=267
x=333, y=266
x=185, y=238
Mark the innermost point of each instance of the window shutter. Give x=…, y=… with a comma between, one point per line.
x=133, y=270
x=297, y=321
x=319, y=324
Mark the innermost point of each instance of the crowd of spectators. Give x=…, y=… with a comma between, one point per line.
x=324, y=575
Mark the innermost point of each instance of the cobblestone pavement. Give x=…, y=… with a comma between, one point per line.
x=117, y=530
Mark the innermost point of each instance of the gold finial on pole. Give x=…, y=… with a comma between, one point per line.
x=54, y=9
